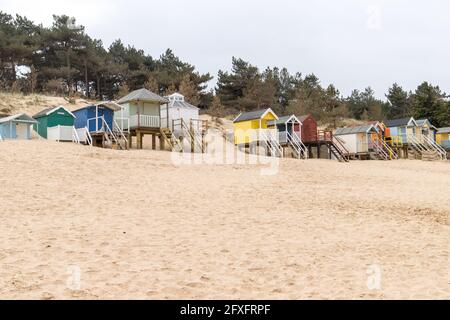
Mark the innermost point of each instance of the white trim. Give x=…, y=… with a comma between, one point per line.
x=237, y=117
x=57, y=108
x=267, y=111
x=415, y=123
x=14, y=117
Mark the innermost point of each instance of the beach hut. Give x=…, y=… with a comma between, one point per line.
x=16, y=127
x=95, y=125
x=320, y=142
x=426, y=131
x=443, y=137
x=379, y=138
x=184, y=122
x=289, y=133
x=55, y=123
x=412, y=140
x=246, y=124
x=141, y=114
x=362, y=142
x=400, y=131
x=252, y=129
x=308, y=128
x=180, y=109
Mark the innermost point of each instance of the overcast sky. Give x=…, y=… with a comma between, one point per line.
x=351, y=43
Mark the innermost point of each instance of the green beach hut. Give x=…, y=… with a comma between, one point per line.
x=55, y=123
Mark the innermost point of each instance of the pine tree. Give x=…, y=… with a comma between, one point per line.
x=398, y=103
x=189, y=90
x=428, y=102
x=151, y=84
x=216, y=109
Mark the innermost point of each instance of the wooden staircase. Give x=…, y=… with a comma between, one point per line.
x=379, y=152
x=338, y=149
x=172, y=141
x=194, y=132
x=339, y=154
x=300, y=150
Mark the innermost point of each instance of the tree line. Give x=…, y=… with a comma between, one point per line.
x=63, y=59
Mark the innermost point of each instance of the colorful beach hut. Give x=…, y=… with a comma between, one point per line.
x=141, y=114
x=362, y=142
x=318, y=142
x=95, y=125
x=309, y=132
x=399, y=130
x=93, y=117
x=426, y=131
x=252, y=129
x=289, y=133
x=414, y=139
x=248, y=125
x=443, y=137
x=18, y=126
x=55, y=123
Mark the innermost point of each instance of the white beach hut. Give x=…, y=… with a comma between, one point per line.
x=180, y=109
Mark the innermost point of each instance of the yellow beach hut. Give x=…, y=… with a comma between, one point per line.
x=443, y=137
x=246, y=124
x=252, y=129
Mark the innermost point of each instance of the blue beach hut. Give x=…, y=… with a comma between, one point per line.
x=18, y=126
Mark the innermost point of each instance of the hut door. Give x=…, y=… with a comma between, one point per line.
x=21, y=131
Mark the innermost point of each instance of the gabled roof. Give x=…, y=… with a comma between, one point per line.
x=142, y=95
x=444, y=130
x=50, y=110
x=175, y=95
x=107, y=104
x=21, y=117
x=354, y=130
x=403, y=122
x=181, y=104
x=422, y=122
x=253, y=115
x=284, y=120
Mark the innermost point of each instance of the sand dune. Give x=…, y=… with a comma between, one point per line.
x=79, y=222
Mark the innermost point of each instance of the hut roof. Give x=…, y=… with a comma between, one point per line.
x=304, y=117
x=49, y=111
x=399, y=122
x=253, y=115
x=21, y=117
x=444, y=130
x=142, y=95
x=176, y=100
x=107, y=104
x=422, y=122
x=354, y=130
x=284, y=120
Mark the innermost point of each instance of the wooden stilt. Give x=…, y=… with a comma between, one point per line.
x=153, y=141
x=162, y=143
x=139, y=139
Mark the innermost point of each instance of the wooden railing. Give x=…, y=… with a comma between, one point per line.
x=145, y=121
x=323, y=135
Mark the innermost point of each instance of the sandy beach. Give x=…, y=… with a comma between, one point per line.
x=87, y=223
